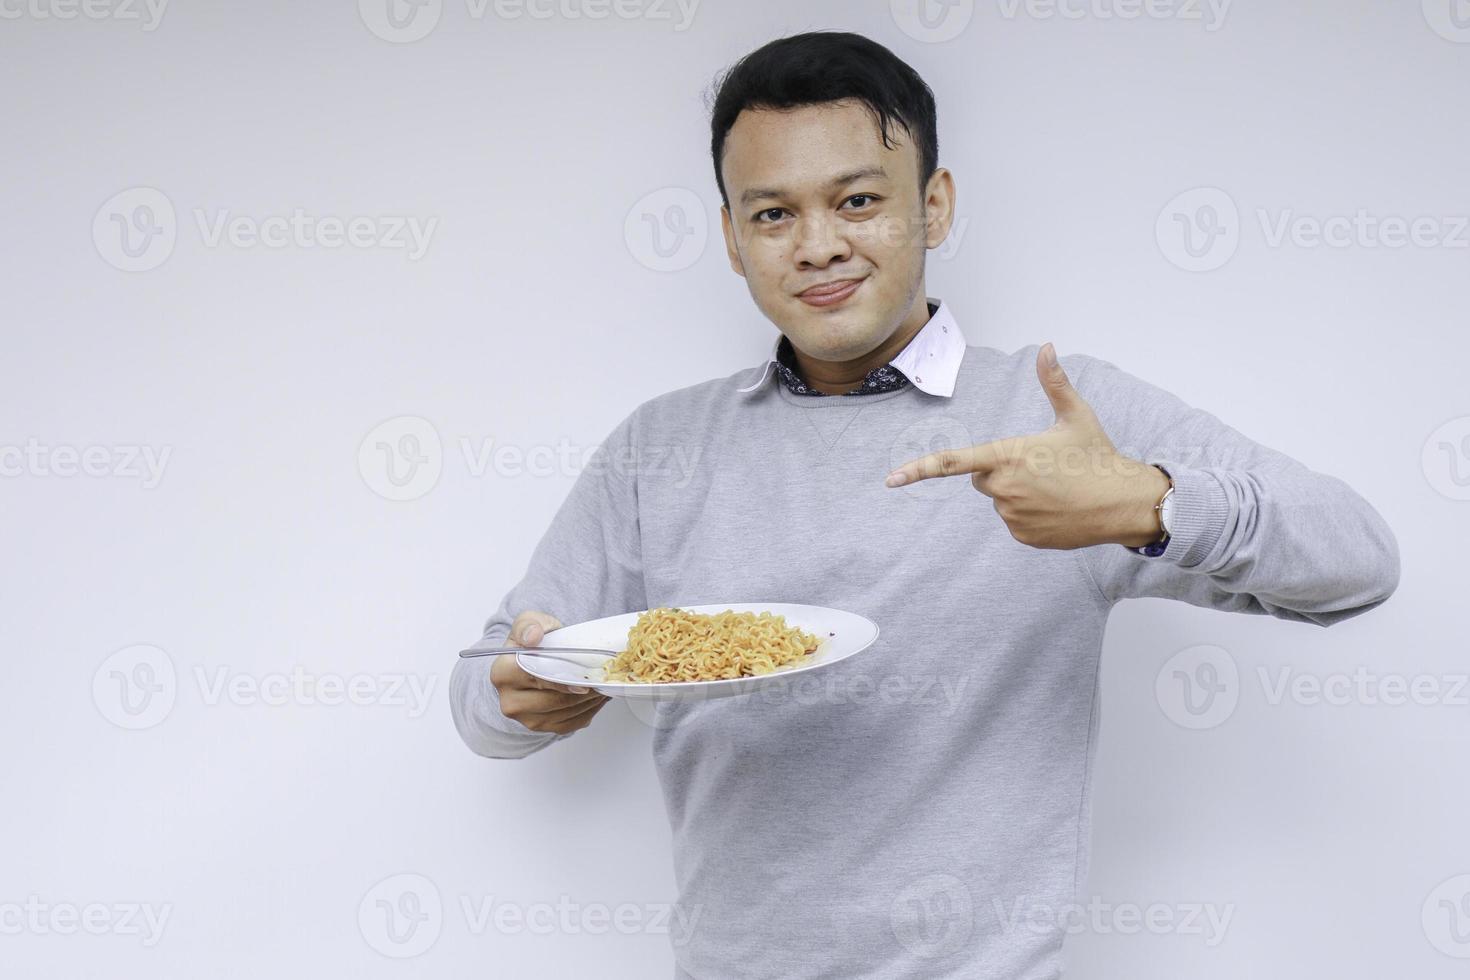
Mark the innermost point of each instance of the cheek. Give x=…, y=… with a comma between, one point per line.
x=771, y=248
x=767, y=259
x=889, y=233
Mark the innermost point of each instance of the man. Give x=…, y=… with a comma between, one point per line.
x=874, y=828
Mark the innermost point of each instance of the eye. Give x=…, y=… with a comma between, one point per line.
x=869, y=197
x=757, y=217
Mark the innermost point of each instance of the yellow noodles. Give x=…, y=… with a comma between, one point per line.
x=668, y=644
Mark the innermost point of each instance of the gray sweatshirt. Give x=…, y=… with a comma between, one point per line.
x=880, y=818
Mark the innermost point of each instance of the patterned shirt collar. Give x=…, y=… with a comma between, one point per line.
x=930, y=362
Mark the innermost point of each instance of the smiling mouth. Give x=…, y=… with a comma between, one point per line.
x=830, y=294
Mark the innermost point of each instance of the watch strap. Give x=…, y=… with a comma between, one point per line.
x=1156, y=548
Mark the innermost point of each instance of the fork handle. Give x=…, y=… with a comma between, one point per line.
x=537, y=651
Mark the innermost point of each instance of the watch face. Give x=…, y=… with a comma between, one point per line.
x=1166, y=513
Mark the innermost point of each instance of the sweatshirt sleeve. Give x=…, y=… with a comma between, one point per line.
x=1252, y=530
x=587, y=565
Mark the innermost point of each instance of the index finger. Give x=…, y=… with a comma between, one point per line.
x=526, y=680
x=954, y=462
x=560, y=688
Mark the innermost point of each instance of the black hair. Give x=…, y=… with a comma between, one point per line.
x=827, y=66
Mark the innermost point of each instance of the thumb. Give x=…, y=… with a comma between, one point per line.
x=1065, y=401
x=531, y=626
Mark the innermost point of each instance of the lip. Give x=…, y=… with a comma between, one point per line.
x=830, y=294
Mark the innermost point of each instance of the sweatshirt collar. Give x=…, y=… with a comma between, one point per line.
x=931, y=361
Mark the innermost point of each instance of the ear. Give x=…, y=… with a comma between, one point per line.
x=939, y=204
x=728, y=228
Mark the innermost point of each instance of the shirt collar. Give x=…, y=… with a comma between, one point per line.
x=931, y=361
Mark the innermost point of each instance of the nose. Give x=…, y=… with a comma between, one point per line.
x=820, y=241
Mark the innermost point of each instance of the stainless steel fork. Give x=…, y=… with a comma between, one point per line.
x=540, y=652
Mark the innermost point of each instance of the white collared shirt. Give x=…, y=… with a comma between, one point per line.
x=931, y=361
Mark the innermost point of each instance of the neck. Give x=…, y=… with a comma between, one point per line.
x=840, y=377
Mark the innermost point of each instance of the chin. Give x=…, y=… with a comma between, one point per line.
x=845, y=345
x=840, y=334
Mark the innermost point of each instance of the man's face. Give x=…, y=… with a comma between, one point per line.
x=815, y=197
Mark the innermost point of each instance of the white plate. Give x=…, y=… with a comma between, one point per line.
x=839, y=634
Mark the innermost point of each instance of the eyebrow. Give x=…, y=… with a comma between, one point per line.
x=841, y=180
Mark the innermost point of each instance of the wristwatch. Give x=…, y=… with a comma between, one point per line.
x=1165, y=507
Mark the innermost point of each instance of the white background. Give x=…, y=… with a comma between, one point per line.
x=538, y=317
